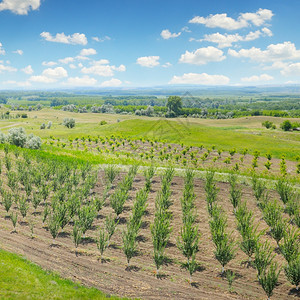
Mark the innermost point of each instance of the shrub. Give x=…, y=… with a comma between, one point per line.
x=268, y=280
x=43, y=126
x=267, y=124
x=102, y=242
x=292, y=272
x=69, y=123
x=17, y=136
x=33, y=142
x=286, y=125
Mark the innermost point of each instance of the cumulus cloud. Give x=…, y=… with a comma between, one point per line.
x=4, y=68
x=274, y=52
x=226, y=40
x=166, y=34
x=87, y=52
x=291, y=69
x=148, y=61
x=200, y=79
x=81, y=81
x=111, y=83
x=42, y=79
x=50, y=75
x=2, y=51
x=66, y=60
x=105, y=38
x=244, y=20
x=102, y=68
x=49, y=63
x=27, y=70
x=20, y=7
x=74, y=39
x=257, y=78
x=202, y=56
x=167, y=65
x=17, y=83
x=20, y=52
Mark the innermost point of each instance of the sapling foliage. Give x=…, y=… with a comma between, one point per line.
x=235, y=191
x=263, y=257
x=77, y=233
x=102, y=241
x=269, y=279
x=292, y=272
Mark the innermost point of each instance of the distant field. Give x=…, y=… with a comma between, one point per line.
x=225, y=134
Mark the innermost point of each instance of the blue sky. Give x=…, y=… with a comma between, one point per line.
x=60, y=44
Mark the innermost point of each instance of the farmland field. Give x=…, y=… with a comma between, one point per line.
x=33, y=238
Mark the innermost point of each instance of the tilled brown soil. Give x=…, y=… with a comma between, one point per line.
x=139, y=281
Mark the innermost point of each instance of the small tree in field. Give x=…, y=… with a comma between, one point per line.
x=269, y=279
x=225, y=251
x=292, y=272
x=69, y=123
x=102, y=242
x=77, y=234
x=285, y=190
x=263, y=257
x=235, y=191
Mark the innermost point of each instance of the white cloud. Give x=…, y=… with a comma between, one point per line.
x=267, y=31
x=274, y=52
x=2, y=51
x=105, y=38
x=58, y=72
x=20, y=52
x=17, y=83
x=49, y=63
x=200, y=79
x=111, y=83
x=42, y=79
x=4, y=68
x=244, y=20
x=72, y=66
x=81, y=81
x=50, y=75
x=202, y=56
x=20, y=7
x=148, y=61
x=87, y=52
x=102, y=68
x=291, y=70
x=257, y=78
x=223, y=40
x=226, y=40
x=66, y=60
x=167, y=65
x=166, y=34
x=74, y=39
x=27, y=70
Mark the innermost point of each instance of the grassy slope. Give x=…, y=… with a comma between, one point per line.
x=20, y=279
x=224, y=134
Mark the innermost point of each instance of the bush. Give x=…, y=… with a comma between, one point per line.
x=43, y=126
x=286, y=125
x=268, y=124
x=103, y=122
x=33, y=142
x=17, y=137
x=69, y=123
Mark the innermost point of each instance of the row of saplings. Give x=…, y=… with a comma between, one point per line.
x=69, y=188
x=283, y=231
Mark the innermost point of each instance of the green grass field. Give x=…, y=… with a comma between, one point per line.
x=21, y=279
x=224, y=134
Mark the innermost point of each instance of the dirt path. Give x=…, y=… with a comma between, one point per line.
x=112, y=277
